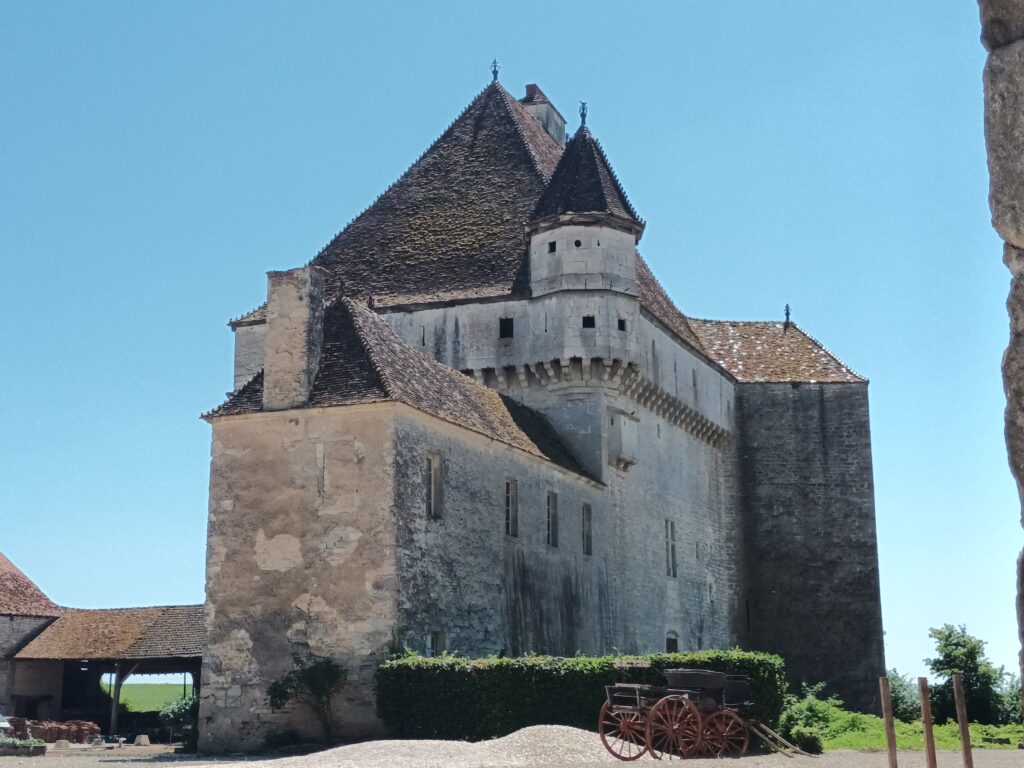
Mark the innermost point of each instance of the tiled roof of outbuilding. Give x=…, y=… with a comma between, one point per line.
x=452, y=226
x=173, y=631
x=364, y=361
x=770, y=352
x=584, y=182
x=19, y=596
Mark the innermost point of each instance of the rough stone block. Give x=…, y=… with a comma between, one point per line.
x=1002, y=22
x=1004, y=135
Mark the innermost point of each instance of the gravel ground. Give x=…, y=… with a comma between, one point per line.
x=544, y=746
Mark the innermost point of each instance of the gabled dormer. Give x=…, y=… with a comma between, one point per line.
x=584, y=231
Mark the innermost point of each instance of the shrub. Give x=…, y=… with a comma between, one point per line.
x=313, y=683
x=807, y=738
x=807, y=711
x=906, y=705
x=182, y=714
x=452, y=697
x=10, y=741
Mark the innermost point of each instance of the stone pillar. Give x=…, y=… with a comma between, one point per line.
x=1002, y=34
x=294, y=336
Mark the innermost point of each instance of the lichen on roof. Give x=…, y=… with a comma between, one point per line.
x=167, y=631
x=19, y=595
x=768, y=352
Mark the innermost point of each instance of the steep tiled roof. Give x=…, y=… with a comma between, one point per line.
x=770, y=352
x=363, y=361
x=584, y=182
x=121, y=633
x=19, y=596
x=452, y=226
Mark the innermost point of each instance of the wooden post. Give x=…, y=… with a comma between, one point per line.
x=961, y=718
x=890, y=727
x=115, y=697
x=926, y=721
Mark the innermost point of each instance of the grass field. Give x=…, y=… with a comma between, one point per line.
x=149, y=697
x=868, y=732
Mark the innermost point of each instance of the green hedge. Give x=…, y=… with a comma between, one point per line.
x=451, y=697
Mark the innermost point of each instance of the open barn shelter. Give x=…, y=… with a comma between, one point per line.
x=53, y=659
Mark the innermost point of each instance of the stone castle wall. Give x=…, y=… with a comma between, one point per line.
x=812, y=589
x=300, y=559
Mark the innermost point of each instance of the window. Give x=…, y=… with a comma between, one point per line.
x=511, y=508
x=552, y=519
x=588, y=321
x=506, y=328
x=670, y=549
x=432, y=485
x=588, y=530
x=551, y=247
x=622, y=324
x=435, y=643
x=671, y=643
x=578, y=243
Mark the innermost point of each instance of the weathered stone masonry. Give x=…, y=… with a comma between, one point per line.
x=1002, y=34
x=358, y=471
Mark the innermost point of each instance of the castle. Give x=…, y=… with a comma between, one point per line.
x=476, y=422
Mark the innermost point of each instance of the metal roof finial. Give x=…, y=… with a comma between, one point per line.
x=583, y=114
x=494, y=70
x=785, y=325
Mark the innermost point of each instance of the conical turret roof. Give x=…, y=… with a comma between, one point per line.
x=584, y=182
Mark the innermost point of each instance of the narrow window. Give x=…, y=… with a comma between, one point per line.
x=432, y=485
x=552, y=519
x=435, y=643
x=671, y=643
x=588, y=321
x=588, y=530
x=670, y=549
x=551, y=247
x=622, y=324
x=506, y=328
x=511, y=508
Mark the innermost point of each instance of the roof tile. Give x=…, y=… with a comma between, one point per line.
x=121, y=633
x=770, y=352
x=19, y=596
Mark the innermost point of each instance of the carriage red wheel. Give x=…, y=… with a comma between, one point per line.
x=622, y=732
x=674, y=728
x=725, y=734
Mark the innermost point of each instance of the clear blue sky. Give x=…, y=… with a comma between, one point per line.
x=156, y=159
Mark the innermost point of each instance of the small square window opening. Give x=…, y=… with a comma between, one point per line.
x=552, y=246
x=622, y=324
x=588, y=321
x=506, y=328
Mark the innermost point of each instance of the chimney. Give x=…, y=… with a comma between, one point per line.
x=537, y=104
x=294, y=337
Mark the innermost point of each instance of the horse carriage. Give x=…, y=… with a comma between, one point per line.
x=698, y=713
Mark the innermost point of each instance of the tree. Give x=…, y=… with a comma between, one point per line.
x=313, y=683
x=963, y=654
